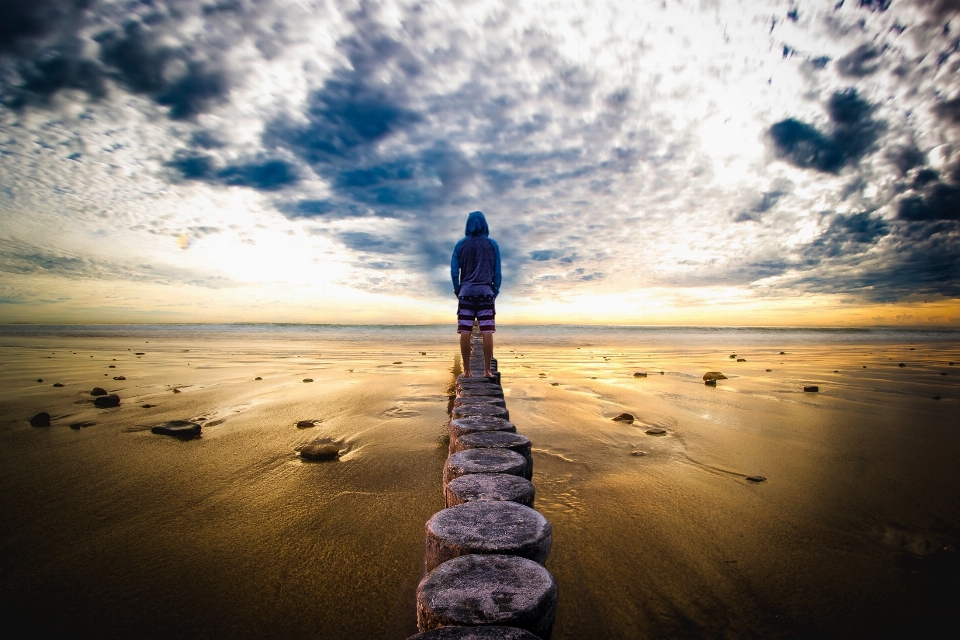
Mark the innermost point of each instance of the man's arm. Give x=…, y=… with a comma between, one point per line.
x=497, y=277
x=455, y=268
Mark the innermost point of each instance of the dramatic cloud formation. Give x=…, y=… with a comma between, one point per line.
x=671, y=161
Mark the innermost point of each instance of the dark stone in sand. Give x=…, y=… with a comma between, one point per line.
x=476, y=424
x=119, y=377
x=769, y=370
x=107, y=401
x=639, y=374
x=812, y=389
x=623, y=417
x=557, y=384
x=176, y=391
x=112, y=366
x=901, y=365
x=836, y=371
x=936, y=398
x=489, y=486
x=178, y=429
x=943, y=373
x=638, y=453
x=475, y=633
x=741, y=359
x=139, y=353
x=710, y=383
x=305, y=424
x=308, y=379
x=477, y=590
x=483, y=461
x=398, y=362
x=783, y=353
x=655, y=431
x=76, y=426
x=58, y=384
x=487, y=527
x=480, y=409
x=462, y=401
x=714, y=375
x=756, y=478
x=39, y=379
x=42, y=419
x=423, y=353
x=258, y=378
x=148, y=406
x=319, y=452
x=496, y=440
x=98, y=391
x=950, y=364
x=732, y=356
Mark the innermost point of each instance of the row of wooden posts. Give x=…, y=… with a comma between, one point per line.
x=485, y=552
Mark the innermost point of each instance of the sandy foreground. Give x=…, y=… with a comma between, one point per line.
x=110, y=530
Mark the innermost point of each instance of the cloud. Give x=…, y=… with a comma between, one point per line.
x=861, y=62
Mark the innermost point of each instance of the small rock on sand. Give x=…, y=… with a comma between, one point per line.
x=112, y=366
x=557, y=384
x=98, y=391
x=76, y=426
x=139, y=353
x=783, y=353
x=769, y=370
x=107, y=401
x=656, y=431
x=936, y=397
x=308, y=379
x=148, y=406
x=319, y=452
x=305, y=424
x=638, y=453
x=732, y=356
x=41, y=379
x=119, y=377
x=741, y=359
x=639, y=374
x=901, y=365
x=58, y=384
x=756, y=478
x=623, y=417
x=710, y=383
x=176, y=390
x=42, y=419
x=714, y=375
x=178, y=429
x=423, y=353
x=258, y=378
x=811, y=389
x=398, y=362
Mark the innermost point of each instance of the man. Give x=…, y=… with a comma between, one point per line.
x=475, y=270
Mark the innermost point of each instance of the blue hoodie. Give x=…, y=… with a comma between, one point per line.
x=475, y=265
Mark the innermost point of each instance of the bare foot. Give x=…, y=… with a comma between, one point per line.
x=487, y=374
x=466, y=374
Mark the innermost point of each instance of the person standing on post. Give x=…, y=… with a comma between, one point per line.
x=475, y=270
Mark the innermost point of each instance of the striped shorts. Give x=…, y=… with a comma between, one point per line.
x=479, y=307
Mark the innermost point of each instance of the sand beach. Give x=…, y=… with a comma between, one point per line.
x=849, y=528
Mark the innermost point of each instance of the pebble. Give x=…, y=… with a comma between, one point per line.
x=638, y=454
x=423, y=353
x=76, y=426
x=623, y=417
x=308, y=379
x=732, y=356
x=769, y=370
x=901, y=365
x=119, y=377
x=710, y=383
x=112, y=366
x=176, y=391
x=811, y=389
x=98, y=391
x=305, y=424
x=639, y=374
x=39, y=379
x=318, y=452
x=58, y=384
x=178, y=429
x=756, y=478
x=42, y=419
x=783, y=353
x=148, y=406
x=655, y=431
x=258, y=378
x=713, y=375
x=741, y=359
x=557, y=384
x=398, y=362
x=936, y=397
x=107, y=401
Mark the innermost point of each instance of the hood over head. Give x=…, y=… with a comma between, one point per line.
x=477, y=225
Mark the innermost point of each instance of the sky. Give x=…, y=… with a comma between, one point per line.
x=705, y=162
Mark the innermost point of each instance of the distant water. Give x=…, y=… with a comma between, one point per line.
x=566, y=334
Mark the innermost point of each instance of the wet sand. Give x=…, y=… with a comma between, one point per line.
x=111, y=530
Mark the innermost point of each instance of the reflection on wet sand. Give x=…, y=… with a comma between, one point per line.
x=111, y=530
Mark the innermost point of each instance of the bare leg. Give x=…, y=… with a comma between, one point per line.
x=487, y=353
x=465, y=353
